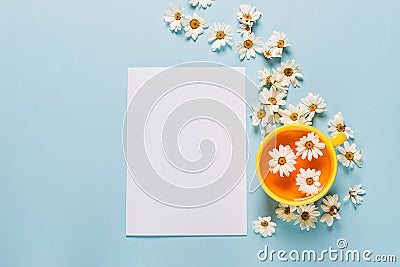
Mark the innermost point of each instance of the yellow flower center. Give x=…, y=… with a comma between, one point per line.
x=309, y=144
x=220, y=35
x=313, y=107
x=333, y=210
x=294, y=116
x=264, y=223
x=261, y=114
x=267, y=53
x=282, y=161
x=305, y=215
x=340, y=127
x=349, y=155
x=288, y=72
x=247, y=16
x=287, y=210
x=248, y=44
x=194, y=23
x=272, y=100
x=280, y=43
x=310, y=181
x=248, y=28
x=177, y=16
x=268, y=80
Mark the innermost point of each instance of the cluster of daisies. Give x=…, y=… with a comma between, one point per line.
x=220, y=34
x=307, y=215
x=272, y=111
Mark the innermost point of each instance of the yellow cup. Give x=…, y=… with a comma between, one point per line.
x=282, y=134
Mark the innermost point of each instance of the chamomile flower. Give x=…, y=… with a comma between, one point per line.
x=307, y=216
x=283, y=160
x=265, y=77
x=313, y=104
x=269, y=52
x=269, y=80
x=285, y=212
x=355, y=195
x=268, y=129
x=278, y=84
x=349, y=155
x=289, y=72
x=308, y=181
x=200, y=3
x=330, y=204
x=295, y=114
x=247, y=14
x=278, y=41
x=309, y=146
x=249, y=45
x=173, y=15
x=272, y=98
x=245, y=28
x=337, y=125
x=264, y=226
x=260, y=114
x=194, y=26
x=220, y=35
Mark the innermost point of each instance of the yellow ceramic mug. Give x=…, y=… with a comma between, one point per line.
x=284, y=189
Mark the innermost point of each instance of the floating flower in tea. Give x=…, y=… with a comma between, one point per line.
x=309, y=146
x=308, y=181
x=283, y=160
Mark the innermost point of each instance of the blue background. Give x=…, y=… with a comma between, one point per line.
x=63, y=80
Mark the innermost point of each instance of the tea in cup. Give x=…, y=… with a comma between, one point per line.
x=283, y=188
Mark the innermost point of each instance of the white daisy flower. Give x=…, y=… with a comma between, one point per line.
x=278, y=84
x=309, y=146
x=264, y=226
x=313, y=104
x=269, y=52
x=260, y=114
x=220, y=35
x=308, y=181
x=249, y=45
x=173, y=15
x=200, y=3
x=270, y=81
x=245, y=28
x=285, y=212
x=307, y=216
x=265, y=77
x=268, y=129
x=330, y=204
x=247, y=14
x=272, y=98
x=278, y=41
x=295, y=114
x=194, y=26
x=354, y=194
x=289, y=72
x=349, y=155
x=283, y=160
x=337, y=125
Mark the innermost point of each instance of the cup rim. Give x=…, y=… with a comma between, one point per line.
x=328, y=145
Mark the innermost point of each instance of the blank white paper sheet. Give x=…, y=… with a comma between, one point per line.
x=185, y=149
